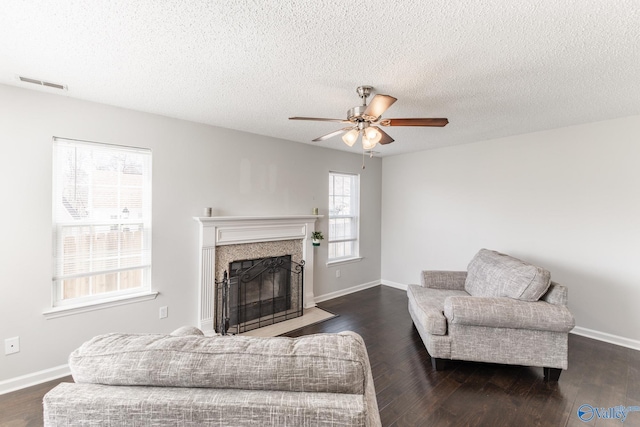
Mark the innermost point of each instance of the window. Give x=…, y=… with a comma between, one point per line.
x=344, y=208
x=101, y=222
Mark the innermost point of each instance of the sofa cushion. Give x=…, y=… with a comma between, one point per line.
x=333, y=363
x=100, y=405
x=492, y=274
x=429, y=304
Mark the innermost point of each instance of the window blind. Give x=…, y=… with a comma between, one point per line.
x=101, y=220
x=343, y=215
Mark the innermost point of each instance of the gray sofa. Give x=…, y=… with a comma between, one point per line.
x=188, y=379
x=501, y=310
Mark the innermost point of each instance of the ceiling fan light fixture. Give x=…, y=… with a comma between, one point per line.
x=351, y=137
x=373, y=135
x=367, y=143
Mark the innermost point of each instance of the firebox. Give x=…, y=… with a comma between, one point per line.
x=260, y=292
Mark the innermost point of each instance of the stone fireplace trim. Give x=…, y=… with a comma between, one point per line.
x=232, y=230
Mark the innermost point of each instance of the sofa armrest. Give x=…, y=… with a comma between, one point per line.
x=501, y=312
x=453, y=280
x=556, y=294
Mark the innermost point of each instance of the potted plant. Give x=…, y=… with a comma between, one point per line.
x=316, y=236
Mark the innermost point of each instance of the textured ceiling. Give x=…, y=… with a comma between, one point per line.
x=494, y=68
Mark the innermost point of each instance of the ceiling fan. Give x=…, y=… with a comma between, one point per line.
x=366, y=119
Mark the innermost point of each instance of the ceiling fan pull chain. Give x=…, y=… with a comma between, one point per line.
x=363, y=158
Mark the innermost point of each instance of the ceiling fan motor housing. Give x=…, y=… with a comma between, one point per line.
x=364, y=92
x=355, y=114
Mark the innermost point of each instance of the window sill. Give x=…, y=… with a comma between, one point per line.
x=344, y=261
x=70, y=310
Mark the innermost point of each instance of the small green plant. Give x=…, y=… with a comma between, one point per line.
x=317, y=235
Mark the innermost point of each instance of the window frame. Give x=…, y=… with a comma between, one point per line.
x=353, y=216
x=115, y=258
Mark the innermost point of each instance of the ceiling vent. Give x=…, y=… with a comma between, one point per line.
x=42, y=83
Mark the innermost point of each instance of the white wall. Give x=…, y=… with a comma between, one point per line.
x=565, y=199
x=194, y=166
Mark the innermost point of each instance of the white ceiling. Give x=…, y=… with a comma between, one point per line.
x=494, y=68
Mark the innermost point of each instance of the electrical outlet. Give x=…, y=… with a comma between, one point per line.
x=338, y=273
x=12, y=345
x=164, y=312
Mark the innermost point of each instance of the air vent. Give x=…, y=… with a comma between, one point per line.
x=42, y=83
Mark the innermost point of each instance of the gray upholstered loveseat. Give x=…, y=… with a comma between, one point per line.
x=193, y=380
x=501, y=310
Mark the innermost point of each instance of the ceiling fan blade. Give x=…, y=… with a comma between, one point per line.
x=378, y=106
x=332, y=134
x=415, y=122
x=318, y=119
x=386, y=139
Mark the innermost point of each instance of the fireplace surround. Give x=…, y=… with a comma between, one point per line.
x=225, y=239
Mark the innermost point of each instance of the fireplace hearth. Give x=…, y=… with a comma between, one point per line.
x=259, y=292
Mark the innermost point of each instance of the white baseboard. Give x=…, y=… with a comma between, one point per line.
x=610, y=338
x=402, y=286
x=342, y=292
x=17, y=383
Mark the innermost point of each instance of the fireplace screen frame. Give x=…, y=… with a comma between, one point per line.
x=235, y=315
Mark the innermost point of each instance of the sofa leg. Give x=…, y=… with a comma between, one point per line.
x=437, y=364
x=552, y=374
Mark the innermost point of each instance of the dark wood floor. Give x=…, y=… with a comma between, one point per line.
x=411, y=393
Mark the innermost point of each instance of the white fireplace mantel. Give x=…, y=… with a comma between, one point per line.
x=233, y=230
